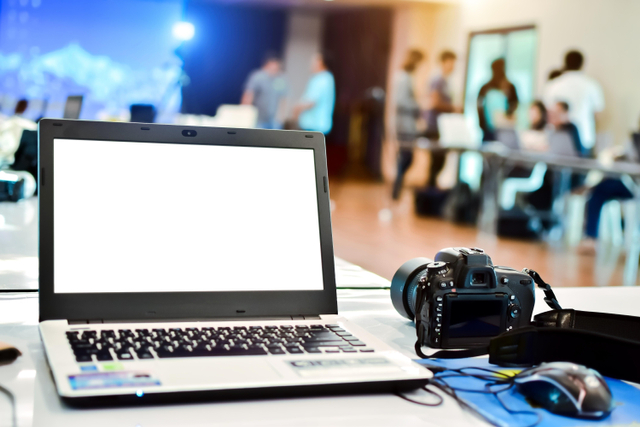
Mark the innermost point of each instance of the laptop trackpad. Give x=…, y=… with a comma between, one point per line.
x=218, y=371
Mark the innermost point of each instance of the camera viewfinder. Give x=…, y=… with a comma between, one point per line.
x=478, y=279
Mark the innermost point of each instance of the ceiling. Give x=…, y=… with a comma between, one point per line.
x=322, y=4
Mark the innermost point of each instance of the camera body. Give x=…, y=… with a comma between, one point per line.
x=461, y=300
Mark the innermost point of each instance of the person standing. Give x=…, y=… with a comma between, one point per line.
x=497, y=96
x=407, y=114
x=315, y=110
x=440, y=101
x=11, y=133
x=583, y=95
x=266, y=89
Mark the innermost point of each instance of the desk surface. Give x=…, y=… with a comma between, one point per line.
x=38, y=404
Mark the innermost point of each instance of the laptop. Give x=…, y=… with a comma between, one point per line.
x=186, y=262
x=509, y=138
x=455, y=132
x=562, y=144
x=635, y=142
x=73, y=106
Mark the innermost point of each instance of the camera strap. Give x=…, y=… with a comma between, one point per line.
x=608, y=343
x=549, y=296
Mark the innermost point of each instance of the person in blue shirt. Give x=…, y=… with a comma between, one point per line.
x=266, y=89
x=315, y=110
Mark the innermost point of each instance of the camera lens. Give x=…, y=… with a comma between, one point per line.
x=404, y=286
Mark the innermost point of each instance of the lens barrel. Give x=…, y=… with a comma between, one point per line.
x=404, y=286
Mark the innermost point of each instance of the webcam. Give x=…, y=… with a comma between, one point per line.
x=188, y=132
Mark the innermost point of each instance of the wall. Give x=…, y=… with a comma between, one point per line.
x=605, y=31
x=304, y=38
x=230, y=42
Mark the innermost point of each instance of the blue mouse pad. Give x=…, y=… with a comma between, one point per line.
x=625, y=396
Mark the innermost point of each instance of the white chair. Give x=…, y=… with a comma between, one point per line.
x=512, y=186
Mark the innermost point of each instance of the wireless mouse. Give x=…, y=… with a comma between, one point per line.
x=566, y=389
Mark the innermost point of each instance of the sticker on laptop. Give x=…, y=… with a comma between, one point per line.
x=99, y=380
x=307, y=368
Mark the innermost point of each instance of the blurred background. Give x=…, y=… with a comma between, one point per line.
x=512, y=126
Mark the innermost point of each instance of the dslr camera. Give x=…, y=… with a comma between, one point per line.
x=460, y=300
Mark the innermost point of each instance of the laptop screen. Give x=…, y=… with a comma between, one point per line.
x=157, y=217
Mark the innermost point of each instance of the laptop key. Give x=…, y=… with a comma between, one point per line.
x=82, y=346
x=276, y=350
x=295, y=350
x=167, y=351
x=104, y=355
x=83, y=358
x=312, y=350
x=366, y=350
x=124, y=355
x=144, y=354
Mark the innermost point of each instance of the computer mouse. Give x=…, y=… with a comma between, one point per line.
x=566, y=389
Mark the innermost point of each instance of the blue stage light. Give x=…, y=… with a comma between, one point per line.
x=183, y=30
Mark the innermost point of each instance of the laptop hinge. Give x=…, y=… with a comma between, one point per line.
x=229, y=319
x=85, y=322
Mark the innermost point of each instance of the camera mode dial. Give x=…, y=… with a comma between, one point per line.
x=437, y=268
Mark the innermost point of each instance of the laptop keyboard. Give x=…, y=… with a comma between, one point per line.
x=132, y=344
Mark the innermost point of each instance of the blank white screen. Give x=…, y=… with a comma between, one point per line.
x=150, y=217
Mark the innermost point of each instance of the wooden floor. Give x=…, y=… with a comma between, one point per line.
x=373, y=231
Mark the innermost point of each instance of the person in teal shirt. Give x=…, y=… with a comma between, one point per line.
x=315, y=110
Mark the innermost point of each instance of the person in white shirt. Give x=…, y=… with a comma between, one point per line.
x=583, y=95
x=11, y=132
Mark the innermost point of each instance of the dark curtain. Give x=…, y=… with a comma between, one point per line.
x=360, y=41
x=229, y=42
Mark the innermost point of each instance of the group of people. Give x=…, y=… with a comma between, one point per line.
x=267, y=89
x=409, y=112
x=572, y=101
x=570, y=104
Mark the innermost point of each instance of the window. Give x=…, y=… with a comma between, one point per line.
x=518, y=47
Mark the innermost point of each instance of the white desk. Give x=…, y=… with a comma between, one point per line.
x=39, y=405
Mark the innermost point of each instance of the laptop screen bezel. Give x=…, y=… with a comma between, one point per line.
x=154, y=306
